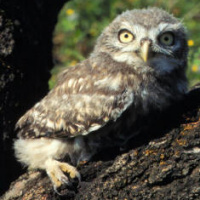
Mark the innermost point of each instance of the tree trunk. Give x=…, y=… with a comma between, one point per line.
x=26, y=29
x=160, y=163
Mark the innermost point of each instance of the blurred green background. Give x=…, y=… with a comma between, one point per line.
x=81, y=22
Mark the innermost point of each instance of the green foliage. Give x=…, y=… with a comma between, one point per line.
x=193, y=71
x=81, y=22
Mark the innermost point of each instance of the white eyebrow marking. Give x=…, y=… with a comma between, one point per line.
x=168, y=27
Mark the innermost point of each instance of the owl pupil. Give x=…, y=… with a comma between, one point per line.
x=166, y=39
x=126, y=35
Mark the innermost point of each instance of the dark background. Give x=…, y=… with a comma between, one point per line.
x=24, y=68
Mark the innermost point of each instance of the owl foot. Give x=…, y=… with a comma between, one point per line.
x=57, y=172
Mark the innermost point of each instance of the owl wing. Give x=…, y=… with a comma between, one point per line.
x=84, y=100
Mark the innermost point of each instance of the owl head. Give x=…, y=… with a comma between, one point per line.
x=148, y=39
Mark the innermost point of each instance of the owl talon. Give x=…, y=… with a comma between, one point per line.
x=56, y=171
x=65, y=180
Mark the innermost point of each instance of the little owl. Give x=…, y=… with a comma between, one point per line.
x=137, y=66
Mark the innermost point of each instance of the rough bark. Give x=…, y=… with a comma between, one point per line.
x=161, y=163
x=25, y=61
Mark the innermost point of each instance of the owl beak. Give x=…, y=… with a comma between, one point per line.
x=145, y=47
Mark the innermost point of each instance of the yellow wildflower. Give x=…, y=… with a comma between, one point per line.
x=194, y=68
x=69, y=11
x=190, y=43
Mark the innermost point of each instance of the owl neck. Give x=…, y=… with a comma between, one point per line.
x=159, y=92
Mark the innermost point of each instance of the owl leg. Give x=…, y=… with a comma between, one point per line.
x=56, y=171
x=44, y=153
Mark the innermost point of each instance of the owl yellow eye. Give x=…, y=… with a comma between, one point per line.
x=167, y=39
x=125, y=36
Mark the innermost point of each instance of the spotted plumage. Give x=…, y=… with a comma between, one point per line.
x=137, y=66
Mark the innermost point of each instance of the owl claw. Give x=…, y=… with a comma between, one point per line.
x=65, y=180
x=56, y=171
x=57, y=190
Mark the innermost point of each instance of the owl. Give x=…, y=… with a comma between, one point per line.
x=137, y=67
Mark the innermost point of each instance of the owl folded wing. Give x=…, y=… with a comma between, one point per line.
x=80, y=104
